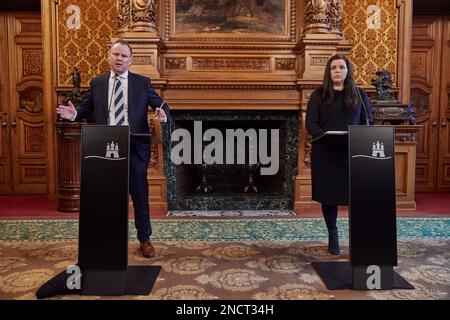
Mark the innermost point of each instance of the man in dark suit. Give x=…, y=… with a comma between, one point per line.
x=120, y=97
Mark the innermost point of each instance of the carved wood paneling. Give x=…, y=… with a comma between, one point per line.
x=419, y=65
x=175, y=63
x=230, y=64
x=34, y=139
x=444, y=114
x=32, y=62
x=32, y=174
x=285, y=63
x=27, y=26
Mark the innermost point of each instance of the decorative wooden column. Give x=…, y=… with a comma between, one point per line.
x=322, y=37
x=69, y=134
x=68, y=160
x=137, y=24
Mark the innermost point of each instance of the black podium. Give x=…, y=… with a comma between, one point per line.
x=103, y=227
x=372, y=213
x=103, y=222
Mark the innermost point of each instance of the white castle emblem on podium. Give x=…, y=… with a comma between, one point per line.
x=112, y=150
x=378, y=149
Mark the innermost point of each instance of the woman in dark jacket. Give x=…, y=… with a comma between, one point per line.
x=332, y=107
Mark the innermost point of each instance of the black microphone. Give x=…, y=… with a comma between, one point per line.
x=112, y=94
x=362, y=100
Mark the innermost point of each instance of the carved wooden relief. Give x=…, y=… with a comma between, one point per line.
x=419, y=100
x=123, y=15
x=307, y=159
x=317, y=16
x=175, y=63
x=32, y=62
x=232, y=64
x=319, y=61
x=144, y=60
x=285, y=63
x=31, y=101
x=419, y=65
x=335, y=14
x=137, y=15
x=34, y=139
x=143, y=15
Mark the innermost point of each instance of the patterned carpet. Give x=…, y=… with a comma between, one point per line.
x=220, y=229
x=228, y=258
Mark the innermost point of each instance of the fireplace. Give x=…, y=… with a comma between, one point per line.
x=232, y=180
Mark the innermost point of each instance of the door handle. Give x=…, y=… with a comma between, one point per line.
x=434, y=123
x=5, y=120
x=443, y=124
x=14, y=124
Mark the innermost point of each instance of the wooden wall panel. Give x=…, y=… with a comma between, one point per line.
x=444, y=119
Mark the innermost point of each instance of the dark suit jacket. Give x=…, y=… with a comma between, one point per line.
x=141, y=94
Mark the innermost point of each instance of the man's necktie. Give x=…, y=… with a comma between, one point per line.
x=119, y=103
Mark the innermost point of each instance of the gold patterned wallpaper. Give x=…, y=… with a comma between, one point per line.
x=84, y=47
x=372, y=26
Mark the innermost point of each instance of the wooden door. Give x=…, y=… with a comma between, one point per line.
x=5, y=139
x=429, y=96
x=443, y=166
x=23, y=148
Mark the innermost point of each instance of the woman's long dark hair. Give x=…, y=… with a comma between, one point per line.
x=350, y=93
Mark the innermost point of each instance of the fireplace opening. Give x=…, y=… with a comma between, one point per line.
x=229, y=180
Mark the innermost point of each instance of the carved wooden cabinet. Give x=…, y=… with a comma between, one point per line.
x=405, y=165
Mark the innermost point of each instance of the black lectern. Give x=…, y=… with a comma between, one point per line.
x=103, y=227
x=372, y=215
x=103, y=222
